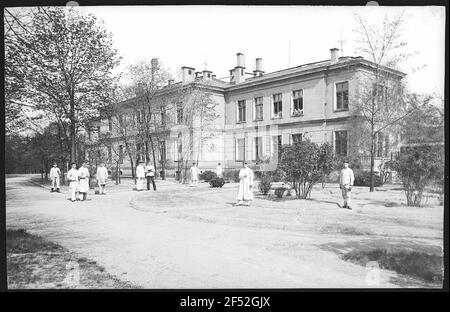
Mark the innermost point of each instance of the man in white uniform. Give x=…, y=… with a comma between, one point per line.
x=346, y=179
x=55, y=173
x=219, y=170
x=150, y=175
x=102, y=178
x=83, y=181
x=72, y=177
x=140, y=175
x=245, y=194
x=194, y=174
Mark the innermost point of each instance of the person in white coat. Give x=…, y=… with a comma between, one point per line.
x=55, y=174
x=83, y=181
x=194, y=174
x=72, y=177
x=140, y=175
x=346, y=180
x=102, y=178
x=245, y=194
x=219, y=171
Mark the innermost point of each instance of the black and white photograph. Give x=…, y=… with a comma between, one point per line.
x=211, y=147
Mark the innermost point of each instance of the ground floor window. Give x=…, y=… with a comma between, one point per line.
x=120, y=154
x=340, y=143
x=296, y=138
x=258, y=148
x=240, y=149
x=276, y=146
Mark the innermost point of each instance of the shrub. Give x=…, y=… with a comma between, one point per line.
x=304, y=164
x=362, y=178
x=417, y=167
x=207, y=175
x=266, y=179
x=232, y=175
x=217, y=182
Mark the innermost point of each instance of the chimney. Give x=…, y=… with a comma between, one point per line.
x=237, y=75
x=334, y=55
x=258, y=68
x=207, y=74
x=154, y=63
x=188, y=74
x=240, y=60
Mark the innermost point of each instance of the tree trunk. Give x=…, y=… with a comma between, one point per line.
x=372, y=162
x=73, y=145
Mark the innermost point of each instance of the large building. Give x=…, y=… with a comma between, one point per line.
x=254, y=114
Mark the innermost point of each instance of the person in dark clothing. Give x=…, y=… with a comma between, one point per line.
x=150, y=175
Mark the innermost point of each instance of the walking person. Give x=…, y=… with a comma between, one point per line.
x=72, y=177
x=140, y=175
x=55, y=174
x=245, y=194
x=219, y=171
x=194, y=174
x=150, y=175
x=346, y=180
x=102, y=178
x=83, y=181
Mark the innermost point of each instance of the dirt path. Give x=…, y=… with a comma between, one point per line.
x=162, y=249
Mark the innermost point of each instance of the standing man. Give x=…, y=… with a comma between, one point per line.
x=194, y=174
x=346, y=179
x=140, y=174
x=72, y=177
x=83, y=181
x=219, y=170
x=245, y=194
x=150, y=175
x=102, y=178
x=55, y=173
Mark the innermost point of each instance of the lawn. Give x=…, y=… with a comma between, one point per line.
x=34, y=263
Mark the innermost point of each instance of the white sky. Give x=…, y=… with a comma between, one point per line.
x=192, y=35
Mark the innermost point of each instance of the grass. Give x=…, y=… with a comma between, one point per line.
x=428, y=267
x=35, y=263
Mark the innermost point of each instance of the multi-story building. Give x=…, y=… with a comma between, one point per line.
x=258, y=112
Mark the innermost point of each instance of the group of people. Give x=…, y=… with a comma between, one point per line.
x=79, y=180
x=145, y=173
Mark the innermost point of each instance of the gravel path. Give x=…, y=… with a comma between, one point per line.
x=181, y=237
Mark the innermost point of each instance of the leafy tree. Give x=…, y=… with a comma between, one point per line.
x=417, y=167
x=64, y=58
x=304, y=164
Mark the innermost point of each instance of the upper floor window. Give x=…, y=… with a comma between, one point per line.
x=379, y=92
x=342, y=95
x=297, y=103
x=241, y=111
x=340, y=143
x=259, y=108
x=110, y=124
x=277, y=111
x=120, y=154
x=179, y=113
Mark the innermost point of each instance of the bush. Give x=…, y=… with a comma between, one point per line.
x=362, y=178
x=304, y=164
x=279, y=192
x=418, y=167
x=232, y=175
x=207, y=175
x=217, y=182
x=265, y=182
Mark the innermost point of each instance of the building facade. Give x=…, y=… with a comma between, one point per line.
x=255, y=113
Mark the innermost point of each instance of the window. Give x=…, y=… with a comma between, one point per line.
x=240, y=149
x=340, y=143
x=379, y=93
x=162, y=150
x=259, y=108
x=120, y=119
x=342, y=95
x=276, y=146
x=179, y=113
x=386, y=146
x=98, y=131
x=109, y=154
x=190, y=71
x=163, y=118
x=241, y=111
x=120, y=154
x=277, y=106
x=381, y=145
x=297, y=103
x=296, y=138
x=110, y=125
x=258, y=148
